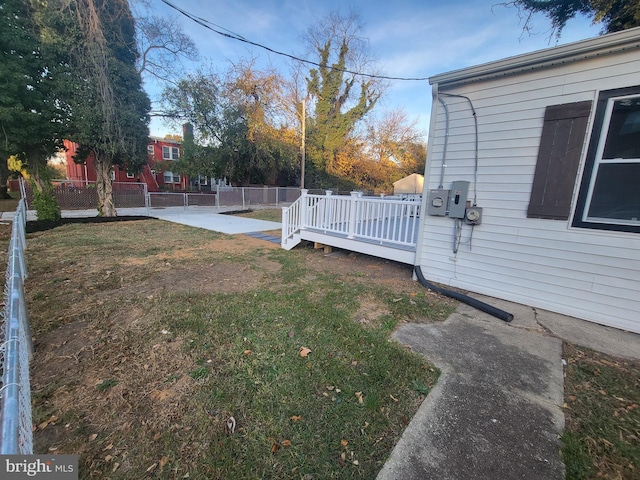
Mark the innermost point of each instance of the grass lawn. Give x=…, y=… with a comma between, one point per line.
x=150, y=336
x=602, y=411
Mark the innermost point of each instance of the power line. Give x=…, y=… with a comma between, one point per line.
x=234, y=36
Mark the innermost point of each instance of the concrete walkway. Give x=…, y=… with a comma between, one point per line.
x=209, y=218
x=495, y=412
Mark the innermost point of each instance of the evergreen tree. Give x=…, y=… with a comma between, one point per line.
x=32, y=118
x=615, y=15
x=338, y=102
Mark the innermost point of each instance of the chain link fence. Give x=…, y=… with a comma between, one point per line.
x=16, y=437
x=80, y=195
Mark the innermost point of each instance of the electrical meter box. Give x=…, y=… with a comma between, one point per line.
x=437, y=202
x=458, y=200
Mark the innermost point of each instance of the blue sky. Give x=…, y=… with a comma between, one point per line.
x=409, y=38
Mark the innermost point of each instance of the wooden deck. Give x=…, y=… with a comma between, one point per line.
x=378, y=226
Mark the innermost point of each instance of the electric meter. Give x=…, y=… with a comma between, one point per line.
x=473, y=216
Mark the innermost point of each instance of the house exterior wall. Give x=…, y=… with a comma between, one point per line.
x=548, y=264
x=152, y=173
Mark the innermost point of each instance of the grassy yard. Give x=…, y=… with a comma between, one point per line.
x=150, y=336
x=602, y=411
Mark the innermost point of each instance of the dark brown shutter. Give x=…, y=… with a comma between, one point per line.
x=558, y=158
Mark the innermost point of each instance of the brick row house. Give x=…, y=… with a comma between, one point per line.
x=153, y=174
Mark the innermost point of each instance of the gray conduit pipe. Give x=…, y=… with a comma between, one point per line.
x=483, y=307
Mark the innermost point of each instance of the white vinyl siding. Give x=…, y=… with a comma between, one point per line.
x=589, y=274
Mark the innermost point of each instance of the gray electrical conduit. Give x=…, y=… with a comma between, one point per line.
x=483, y=307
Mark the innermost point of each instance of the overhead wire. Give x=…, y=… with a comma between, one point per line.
x=234, y=36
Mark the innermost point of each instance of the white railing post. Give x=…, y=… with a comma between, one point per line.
x=353, y=213
x=304, y=207
x=285, y=226
x=326, y=218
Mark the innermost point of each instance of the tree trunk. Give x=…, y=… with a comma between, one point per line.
x=4, y=176
x=33, y=161
x=104, y=188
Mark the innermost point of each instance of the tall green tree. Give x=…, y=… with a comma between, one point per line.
x=110, y=110
x=340, y=99
x=33, y=119
x=615, y=15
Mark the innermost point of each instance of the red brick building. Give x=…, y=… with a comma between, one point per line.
x=154, y=173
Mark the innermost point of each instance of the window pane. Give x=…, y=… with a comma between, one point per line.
x=616, y=193
x=623, y=137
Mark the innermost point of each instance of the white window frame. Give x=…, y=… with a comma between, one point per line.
x=170, y=153
x=173, y=178
x=599, y=160
x=130, y=175
x=150, y=149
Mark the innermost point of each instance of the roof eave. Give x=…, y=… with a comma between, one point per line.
x=593, y=47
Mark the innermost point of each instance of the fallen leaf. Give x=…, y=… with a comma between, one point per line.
x=108, y=458
x=274, y=448
x=356, y=463
x=291, y=334
x=163, y=462
x=93, y=436
x=115, y=467
x=286, y=443
x=602, y=392
x=296, y=418
x=152, y=468
x=247, y=352
x=343, y=458
x=359, y=397
x=393, y=398
x=157, y=436
x=304, y=352
x=344, y=442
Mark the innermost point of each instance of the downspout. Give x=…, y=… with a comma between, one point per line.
x=483, y=307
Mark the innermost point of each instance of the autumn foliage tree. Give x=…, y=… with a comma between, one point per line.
x=239, y=132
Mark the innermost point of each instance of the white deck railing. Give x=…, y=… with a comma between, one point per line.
x=384, y=220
